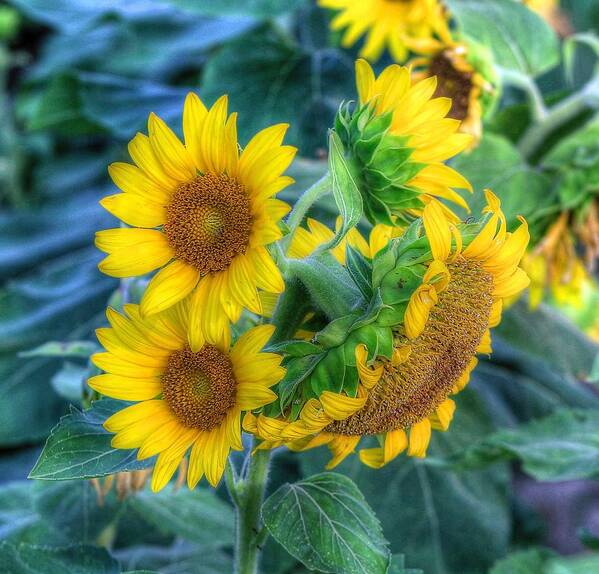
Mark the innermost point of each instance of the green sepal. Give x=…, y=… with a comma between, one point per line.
x=294, y=348
x=399, y=284
x=298, y=370
x=360, y=270
x=392, y=315
x=334, y=372
x=336, y=331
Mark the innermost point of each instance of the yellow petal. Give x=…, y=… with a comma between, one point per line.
x=130, y=179
x=418, y=310
x=437, y=230
x=125, y=388
x=134, y=209
x=338, y=406
x=420, y=436
x=194, y=115
x=168, y=287
x=133, y=251
x=368, y=377
x=169, y=151
x=253, y=396
x=135, y=413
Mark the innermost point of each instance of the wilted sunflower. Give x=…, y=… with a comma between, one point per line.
x=440, y=303
x=396, y=142
x=186, y=399
x=399, y=25
x=464, y=74
x=203, y=212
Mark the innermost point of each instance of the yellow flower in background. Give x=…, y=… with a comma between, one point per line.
x=203, y=213
x=306, y=241
x=554, y=266
x=471, y=93
x=184, y=399
x=398, y=25
x=446, y=323
x=550, y=11
x=421, y=134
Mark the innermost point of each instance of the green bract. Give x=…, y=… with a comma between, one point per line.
x=381, y=163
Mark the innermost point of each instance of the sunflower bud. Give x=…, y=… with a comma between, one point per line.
x=395, y=141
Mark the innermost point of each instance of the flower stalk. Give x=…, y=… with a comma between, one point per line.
x=248, y=494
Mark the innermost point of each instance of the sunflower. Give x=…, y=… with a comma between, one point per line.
x=465, y=78
x=306, y=241
x=447, y=307
x=184, y=399
x=399, y=25
x=397, y=140
x=203, y=213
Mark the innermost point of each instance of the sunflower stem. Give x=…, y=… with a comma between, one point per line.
x=303, y=204
x=558, y=116
x=249, y=521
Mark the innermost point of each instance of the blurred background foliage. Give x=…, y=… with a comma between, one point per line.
x=77, y=79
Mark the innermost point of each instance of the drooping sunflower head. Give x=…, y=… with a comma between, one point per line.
x=400, y=26
x=441, y=288
x=184, y=399
x=202, y=212
x=565, y=241
x=397, y=140
x=466, y=75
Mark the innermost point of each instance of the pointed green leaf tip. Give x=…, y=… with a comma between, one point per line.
x=325, y=522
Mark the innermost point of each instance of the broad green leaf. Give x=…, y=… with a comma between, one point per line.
x=532, y=561
x=562, y=446
x=80, y=100
x=82, y=349
x=79, y=559
x=561, y=345
x=79, y=447
x=419, y=501
x=69, y=381
x=345, y=190
x=196, y=515
x=281, y=82
x=16, y=510
x=545, y=561
x=496, y=164
x=325, y=522
x=257, y=8
x=518, y=37
x=72, y=508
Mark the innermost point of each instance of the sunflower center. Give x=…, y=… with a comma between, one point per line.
x=411, y=391
x=200, y=387
x=208, y=222
x=452, y=83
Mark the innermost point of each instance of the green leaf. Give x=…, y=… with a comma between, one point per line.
x=325, y=522
x=70, y=380
x=525, y=562
x=334, y=373
x=258, y=8
x=81, y=349
x=196, y=515
x=498, y=165
x=419, y=501
x=562, y=345
x=562, y=446
x=281, y=82
x=345, y=190
x=79, y=447
x=16, y=509
x=32, y=559
x=518, y=37
x=297, y=370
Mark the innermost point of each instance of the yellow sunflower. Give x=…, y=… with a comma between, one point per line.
x=184, y=399
x=446, y=322
x=306, y=241
x=203, y=213
x=399, y=25
x=416, y=136
x=467, y=86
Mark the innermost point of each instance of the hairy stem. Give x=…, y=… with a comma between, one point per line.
x=249, y=497
x=556, y=117
x=303, y=204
